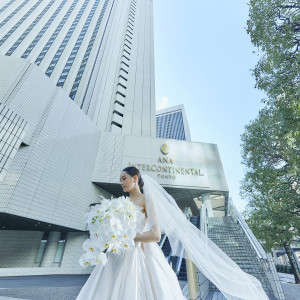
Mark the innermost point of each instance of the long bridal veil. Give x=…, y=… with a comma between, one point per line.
x=219, y=268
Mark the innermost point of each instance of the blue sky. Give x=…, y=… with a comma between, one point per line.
x=203, y=57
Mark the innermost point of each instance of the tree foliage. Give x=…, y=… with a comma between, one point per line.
x=272, y=182
x=271, y=142
x=274, y=28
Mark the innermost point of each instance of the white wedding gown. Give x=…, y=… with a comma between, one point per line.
x=136, y=274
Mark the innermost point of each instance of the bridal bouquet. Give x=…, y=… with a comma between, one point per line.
x=112, y=228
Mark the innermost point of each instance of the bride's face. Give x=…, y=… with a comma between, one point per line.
x=127, y=182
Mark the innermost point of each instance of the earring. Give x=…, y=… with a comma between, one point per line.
x=135, y=184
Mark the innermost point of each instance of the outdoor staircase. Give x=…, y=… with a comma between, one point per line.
x=195, y=220
x=228, y=236
x=182, y=273
x=166, y=248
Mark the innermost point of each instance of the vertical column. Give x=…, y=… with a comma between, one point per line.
x=192, y=280
x=206, y=204
x=50, y=250
x=275, y=257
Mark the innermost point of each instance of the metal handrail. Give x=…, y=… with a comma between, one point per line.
x=179, y=262
x=163, y=241
x=188, y=213
x=251, y=237
x=168, y=258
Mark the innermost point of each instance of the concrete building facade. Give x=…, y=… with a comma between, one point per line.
x=90, y=48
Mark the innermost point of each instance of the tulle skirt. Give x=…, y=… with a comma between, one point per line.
x=134, y=275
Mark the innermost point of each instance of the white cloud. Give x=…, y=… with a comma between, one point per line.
x=163, y=103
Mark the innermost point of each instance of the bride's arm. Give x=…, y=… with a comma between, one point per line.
x=149, y=236
x=154, y=235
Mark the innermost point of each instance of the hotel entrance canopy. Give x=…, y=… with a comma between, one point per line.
x=185, y=169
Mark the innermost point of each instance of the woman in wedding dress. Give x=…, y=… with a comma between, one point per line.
x=142, y=273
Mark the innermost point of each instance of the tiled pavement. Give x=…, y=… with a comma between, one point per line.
x=67, y=287
x=46, y=287
x=9, y=298
x=290, y=289
x=44, y=293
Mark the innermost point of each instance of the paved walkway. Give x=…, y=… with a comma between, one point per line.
x=288, y=278
x=67, y=287
x=290, y=289
x=9, y=298
x=43, y=287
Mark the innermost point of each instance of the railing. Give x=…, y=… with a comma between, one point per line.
x=251, y=237
x=188, y=213
x=179, y=262
x=162, y=241
x=203, y=220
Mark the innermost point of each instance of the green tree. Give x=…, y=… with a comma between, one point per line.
x=271, y=143
x=271, y=184
x=274, y=28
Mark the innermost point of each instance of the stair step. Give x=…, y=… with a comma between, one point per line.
x=228, y=236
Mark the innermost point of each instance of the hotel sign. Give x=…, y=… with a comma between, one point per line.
x=172, y=162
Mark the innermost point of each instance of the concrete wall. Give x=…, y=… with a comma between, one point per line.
x=12, y=132
x=72, y=253
x=50, y=179
x=19, y=248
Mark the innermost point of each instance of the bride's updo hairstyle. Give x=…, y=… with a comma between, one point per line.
x=132, y=171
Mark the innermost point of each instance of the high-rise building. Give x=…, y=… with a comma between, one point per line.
x=71, y=72
x=171, y=123
x=77, y=105
x=100, y=52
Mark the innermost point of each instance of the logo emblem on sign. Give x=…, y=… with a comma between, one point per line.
x=164, y=149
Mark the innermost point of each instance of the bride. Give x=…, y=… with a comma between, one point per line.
x=143, y=273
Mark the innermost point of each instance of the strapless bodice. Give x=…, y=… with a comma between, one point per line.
x=141, y=219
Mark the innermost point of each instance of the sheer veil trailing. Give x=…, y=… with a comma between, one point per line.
x=220, y=269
